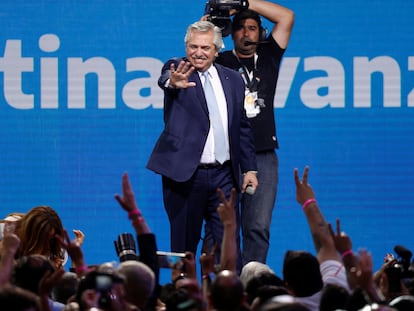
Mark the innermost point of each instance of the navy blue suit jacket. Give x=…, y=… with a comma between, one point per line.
x=178, y=150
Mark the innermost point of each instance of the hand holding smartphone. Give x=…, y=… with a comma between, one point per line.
x=170, y=260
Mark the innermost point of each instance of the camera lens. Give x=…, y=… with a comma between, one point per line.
x=125, y=247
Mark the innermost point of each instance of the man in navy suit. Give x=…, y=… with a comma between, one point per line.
x=185, y=154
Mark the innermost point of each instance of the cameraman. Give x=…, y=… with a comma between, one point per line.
x=257, y=56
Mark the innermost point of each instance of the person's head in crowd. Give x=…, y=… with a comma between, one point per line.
x=253, y=269
x=301, y=273
x=66, y=287
x=264, y=285
x=166, y=291
x=14, y=298
x=108, y=268
x=246, y=26
x=193, y=289
x=11, y=219
x=333, y=297
x=139, y=282
x=29, y=270
x=227, y=292
x=101, y=290
x=118, y=291
x=183, y=299
x=203, y=41
x=37, y=232
x=255, y=275
x=266, y=292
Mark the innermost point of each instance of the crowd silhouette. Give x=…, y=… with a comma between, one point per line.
x=35, y=245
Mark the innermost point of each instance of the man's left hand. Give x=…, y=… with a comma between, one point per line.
x=249, y=179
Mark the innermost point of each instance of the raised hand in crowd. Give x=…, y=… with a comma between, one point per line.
x=207, y=259
x=322, y=239
x=47, y=283
x=303, y=274
x=190, y=265
x=79, y=236
x=343, y=245
x=146, y=240
x=73, y=247
x=127, y=200
x=304, y=191
x=227, y=213
x=363, y=276
x=129, y=204
x=184, y=268
x=207, y=264
x=342, y=241
x=11, y=244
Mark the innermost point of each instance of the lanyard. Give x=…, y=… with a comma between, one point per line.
x=250, y=77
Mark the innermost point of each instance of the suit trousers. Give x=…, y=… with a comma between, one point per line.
x=188, y=204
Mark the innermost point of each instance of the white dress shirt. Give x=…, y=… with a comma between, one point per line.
x=208, y=152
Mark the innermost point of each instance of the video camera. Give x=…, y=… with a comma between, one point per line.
x=219, y=13
x=401, y=270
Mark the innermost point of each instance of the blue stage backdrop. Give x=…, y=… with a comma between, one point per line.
x=80, y=105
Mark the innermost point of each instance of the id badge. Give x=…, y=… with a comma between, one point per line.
x=250, y=104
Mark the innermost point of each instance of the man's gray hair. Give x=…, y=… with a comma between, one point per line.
x=204, y=26
x=254, y=269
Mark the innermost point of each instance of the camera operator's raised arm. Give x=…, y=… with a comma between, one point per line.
x=282, y=17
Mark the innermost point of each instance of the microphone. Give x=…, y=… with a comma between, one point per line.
x=250, y=189
x=247, y=43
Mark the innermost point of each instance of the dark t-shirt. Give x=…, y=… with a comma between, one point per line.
x=267, y=71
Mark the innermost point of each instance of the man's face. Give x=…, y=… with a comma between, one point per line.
x=248, y=30
x=200, y=50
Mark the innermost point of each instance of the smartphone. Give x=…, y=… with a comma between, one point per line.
x=170, y=260
x=103, y=283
